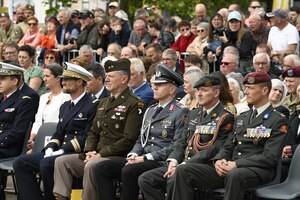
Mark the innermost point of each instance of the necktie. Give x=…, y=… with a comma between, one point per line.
x=72, y=105
x=157, y=112
x=112, y=98
x=204, y=113
x=253, y=116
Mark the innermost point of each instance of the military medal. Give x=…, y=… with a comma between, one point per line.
x=164, y=133
x=117, y=126
x=255, y=141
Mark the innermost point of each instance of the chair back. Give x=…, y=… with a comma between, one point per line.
x=294, y=173
x=45, y=131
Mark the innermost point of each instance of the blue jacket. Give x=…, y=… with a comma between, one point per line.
x=145, y=92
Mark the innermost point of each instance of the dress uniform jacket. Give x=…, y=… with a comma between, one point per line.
x=73, y=125
x=14, y=34
x=116, y=125
x=164, y=131
x=181, y=152
x=258, y=150
x=16, y=114
x=293, y=137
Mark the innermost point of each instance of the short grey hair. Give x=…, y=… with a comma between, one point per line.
x=86, y=47
x=66, y=11
x=137, y=64
x=259, y=55
x=171, y=52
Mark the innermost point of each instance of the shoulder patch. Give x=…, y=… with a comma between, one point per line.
x=26, y=97
x=283, y=129
x=141, y=104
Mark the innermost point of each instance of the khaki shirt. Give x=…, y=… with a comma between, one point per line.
x=14, y=34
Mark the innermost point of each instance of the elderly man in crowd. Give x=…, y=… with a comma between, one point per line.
x=9, y=32
x=292, y=81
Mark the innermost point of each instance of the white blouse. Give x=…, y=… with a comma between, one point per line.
x=48, y=112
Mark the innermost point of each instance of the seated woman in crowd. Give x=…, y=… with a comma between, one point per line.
x=103, y=37
x=33, y=75
x=50, y=102
x=277, y=97
x=33, y=35
x=200, y=42
x=213, y=48
x=164, y=38
x=236, y=35
x=50, y=57
x=190, y=77
x=237, y=95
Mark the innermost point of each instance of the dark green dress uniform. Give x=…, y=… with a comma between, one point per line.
x=255, y=146
x=153, y=184
x=71, y=132
x=116, y=125
x=13, y=34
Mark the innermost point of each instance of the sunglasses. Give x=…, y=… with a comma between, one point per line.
x=226, y=63
x=31, y=24
x=49, y=58
x=201, y=30
x=254, y=7
x=184, y=29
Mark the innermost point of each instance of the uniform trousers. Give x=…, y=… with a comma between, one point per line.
x=71, y=165
x=26, y=167
x=115, y=169
x=192, y=175
x=153, y=184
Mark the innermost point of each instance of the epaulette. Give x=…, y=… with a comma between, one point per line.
x=95, y=101
x=279, y=113
x=26, y=97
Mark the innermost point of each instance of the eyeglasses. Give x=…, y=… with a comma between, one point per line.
x=260, y=63
x=201, y=30
x=254, y=7
x=184, y=29
x=31, y=24
x=9, y=53
x=227, y=63
x=49, y=58
x=167, y=59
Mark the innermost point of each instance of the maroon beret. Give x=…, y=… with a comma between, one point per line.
x=257, y=77
x=294, y=72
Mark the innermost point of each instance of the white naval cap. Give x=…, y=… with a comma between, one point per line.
x=75, y=71
x=7, y=69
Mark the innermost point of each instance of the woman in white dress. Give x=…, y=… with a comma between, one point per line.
x=50, y=102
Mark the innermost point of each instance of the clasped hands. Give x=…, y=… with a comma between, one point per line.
x=223, y=166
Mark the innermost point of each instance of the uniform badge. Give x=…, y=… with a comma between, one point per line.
x=80, y=115
x=214, y=115
x=140, y=111
x=117, y=126
x=228, y=127
x=113, y=117
x=290, y=72
x=9, y=110
x=101, y=109
x=266, y=116
x=118, y=113
x=164, y=133
x=251, y=80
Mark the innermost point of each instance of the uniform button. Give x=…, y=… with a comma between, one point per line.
x=1, y=143
x=104, y=132
x=152, y=126
x=240, y=142
x=64, y=143
x=65, y=136
x=76, y=132
x=2, y=125
x=104, y=124
x=239, y=153
x=151, y=145
x=0, y=131
x=152, y=138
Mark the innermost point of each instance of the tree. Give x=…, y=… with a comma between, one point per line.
x=54, y=5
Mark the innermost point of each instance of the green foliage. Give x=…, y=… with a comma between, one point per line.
x=54, y=5
x=184, y=8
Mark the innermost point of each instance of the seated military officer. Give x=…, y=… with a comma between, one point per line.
x=113, y=133
x=75, y=119
x=249, y=155
x=206, y=129
x=162, y=127
x=292, y=81
x=16, y=114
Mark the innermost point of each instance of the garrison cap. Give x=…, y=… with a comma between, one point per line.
x=10, y=69
x=29, y=7
x=294, y=72
x=121, y=64
x=4, y=14
x=208, y=81
x=256, y=78
x=76, y=71
x=164, y=75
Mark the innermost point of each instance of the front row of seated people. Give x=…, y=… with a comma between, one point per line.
x=108, y=140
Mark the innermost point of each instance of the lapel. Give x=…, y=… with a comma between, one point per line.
x=9, y=101
x=105, y=93
x=165, y=112
x=68, y=116
x=212, y=115
x=121, y=99
x=260, y=118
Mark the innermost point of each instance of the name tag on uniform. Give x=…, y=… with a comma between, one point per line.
x=9, y=110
